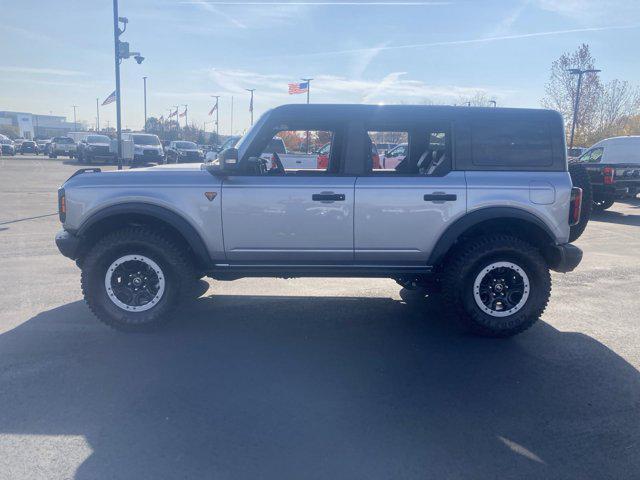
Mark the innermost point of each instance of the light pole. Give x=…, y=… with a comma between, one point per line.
x=217, y=97
x=251, y=90
x=121, y=51
x=186, y=116
x=231, y=133
x=144, y=80
x=97, y=116
x=580, y=73
x=308, y=80
x=75, y=124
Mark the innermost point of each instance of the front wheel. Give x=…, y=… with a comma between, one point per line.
x=134, y=278
x=496, y=285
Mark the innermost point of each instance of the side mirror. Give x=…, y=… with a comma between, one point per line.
x=228, y=159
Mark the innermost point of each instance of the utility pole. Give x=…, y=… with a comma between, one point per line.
x=308, y=80
x=576, y=106
x=217, y=97
x=251, y=90
x=75, y=124
x=97, y=116
x=144, y=79
x=121, y=51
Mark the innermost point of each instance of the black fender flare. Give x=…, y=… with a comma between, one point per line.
x=469, y=220
x=163, y=214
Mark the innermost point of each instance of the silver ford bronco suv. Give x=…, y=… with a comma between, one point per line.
x=478, y=211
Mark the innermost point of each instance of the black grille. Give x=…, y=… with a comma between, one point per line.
x=150, y=152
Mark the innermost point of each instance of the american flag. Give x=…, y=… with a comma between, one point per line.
x=295, y=88
x=213, y=109
x=110, y=99
x=183, y=113
x=173, y=114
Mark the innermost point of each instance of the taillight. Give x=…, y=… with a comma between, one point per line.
x=575, y=206
x=274, y=165
x=62, y=205
x=608, y=174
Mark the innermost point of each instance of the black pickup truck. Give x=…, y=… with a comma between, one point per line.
x=613, y=166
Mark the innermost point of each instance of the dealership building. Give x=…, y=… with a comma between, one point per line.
x=30, y=125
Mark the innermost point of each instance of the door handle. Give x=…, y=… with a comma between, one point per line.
x=440, y=197
x=328, y=197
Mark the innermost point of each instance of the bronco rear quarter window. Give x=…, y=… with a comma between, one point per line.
x=518, y=143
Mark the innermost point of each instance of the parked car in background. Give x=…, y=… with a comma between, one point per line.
x=43, y=146
x=28, y=146
x=181, y=151
x=62, y=146
x=323, y=156
x=613, y=166
x=94, y=147
x=7, y=147
x=147, y=148
x=17, y=142
x=384, y=147
x=393, y=157
x=575, y=152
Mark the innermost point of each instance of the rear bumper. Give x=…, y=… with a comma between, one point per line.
x=68, y=244
x=562, y=258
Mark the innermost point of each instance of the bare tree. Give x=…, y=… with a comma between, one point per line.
x=562, y=88
x=618, y=104
x=478, y=99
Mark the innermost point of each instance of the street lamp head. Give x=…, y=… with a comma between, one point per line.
x=139, y=58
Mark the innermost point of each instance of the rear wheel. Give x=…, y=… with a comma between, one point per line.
x=134, y=278
x=496, y=285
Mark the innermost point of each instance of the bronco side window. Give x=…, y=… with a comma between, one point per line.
x=425, y=150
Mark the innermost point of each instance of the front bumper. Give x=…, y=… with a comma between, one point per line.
x=562, y=258
x=68, y=244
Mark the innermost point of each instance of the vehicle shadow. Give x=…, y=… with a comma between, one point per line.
x=246, y=387
x=610, y=216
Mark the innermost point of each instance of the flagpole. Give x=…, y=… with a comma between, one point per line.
x=217, y=97
x=97, y=117
x=308, y=80
x=251, y=90
x=116, y=35
x=186, y=116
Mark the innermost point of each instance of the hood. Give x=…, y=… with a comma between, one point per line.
x=170, y=166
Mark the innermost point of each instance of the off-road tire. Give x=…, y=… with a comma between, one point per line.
x=178, y=273
x=602, y=205
x=468, y=261
x=580, y=178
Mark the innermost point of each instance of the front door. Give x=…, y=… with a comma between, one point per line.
x=285, y=216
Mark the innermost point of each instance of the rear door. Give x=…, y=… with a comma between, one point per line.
x=402, y=211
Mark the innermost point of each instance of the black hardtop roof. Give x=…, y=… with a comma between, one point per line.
x=404, y=112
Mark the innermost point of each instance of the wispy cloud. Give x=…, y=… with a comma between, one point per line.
x=392, y=88
x=592, y=10
x=42, y=71
x=209, y=7
x=472, y=41
x=333, y=4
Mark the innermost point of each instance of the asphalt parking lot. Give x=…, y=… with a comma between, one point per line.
x=311, y=378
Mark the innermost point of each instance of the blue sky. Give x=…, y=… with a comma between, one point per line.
x=58, y=54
